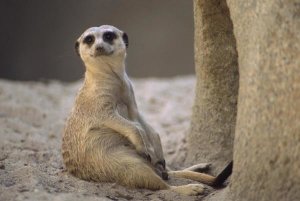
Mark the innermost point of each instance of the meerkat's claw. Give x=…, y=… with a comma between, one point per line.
x=145, y=156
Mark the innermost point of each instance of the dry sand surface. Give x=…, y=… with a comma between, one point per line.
x=32, y=116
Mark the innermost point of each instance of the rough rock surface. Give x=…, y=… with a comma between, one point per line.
x=267, y=139
x=32, y=117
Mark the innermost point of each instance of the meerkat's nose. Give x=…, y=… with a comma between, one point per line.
x=99, y=48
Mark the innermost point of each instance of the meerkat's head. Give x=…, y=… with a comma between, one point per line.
x=104, y=44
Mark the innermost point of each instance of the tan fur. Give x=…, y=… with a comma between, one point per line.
x=105, y=137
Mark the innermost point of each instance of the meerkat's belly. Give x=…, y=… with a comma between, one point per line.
x=98, y=145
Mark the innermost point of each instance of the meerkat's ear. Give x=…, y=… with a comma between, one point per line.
x=125, y=39
x=77, y=48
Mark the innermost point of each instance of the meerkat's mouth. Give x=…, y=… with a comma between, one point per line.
x=103, y=53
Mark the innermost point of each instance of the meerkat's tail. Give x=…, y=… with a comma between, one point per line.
x=222, y=177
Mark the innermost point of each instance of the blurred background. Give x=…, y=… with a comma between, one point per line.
x=37, y=37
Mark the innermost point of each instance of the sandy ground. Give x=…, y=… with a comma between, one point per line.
x=32, y=117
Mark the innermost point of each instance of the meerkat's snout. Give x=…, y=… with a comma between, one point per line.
x=100, y=50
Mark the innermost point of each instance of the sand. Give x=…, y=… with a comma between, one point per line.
x=32, y=116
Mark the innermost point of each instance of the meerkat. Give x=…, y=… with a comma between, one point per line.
x=106, y=139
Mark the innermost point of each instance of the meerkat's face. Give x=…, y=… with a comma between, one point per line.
x=102, y=43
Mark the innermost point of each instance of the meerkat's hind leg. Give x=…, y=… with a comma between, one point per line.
x=195, y=176
x=133, y=171
x=201, y=167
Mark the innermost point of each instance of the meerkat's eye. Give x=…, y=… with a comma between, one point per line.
x=89, y=39
x=109, y=36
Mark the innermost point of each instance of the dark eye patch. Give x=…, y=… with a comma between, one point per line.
x=109, y=36
x=77, y=48
x=89, y=39
x=125, y=39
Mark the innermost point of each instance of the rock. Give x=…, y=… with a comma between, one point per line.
x=214, y=111
x=267, y=154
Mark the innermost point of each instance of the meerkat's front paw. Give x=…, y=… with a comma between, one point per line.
x=141, y=150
